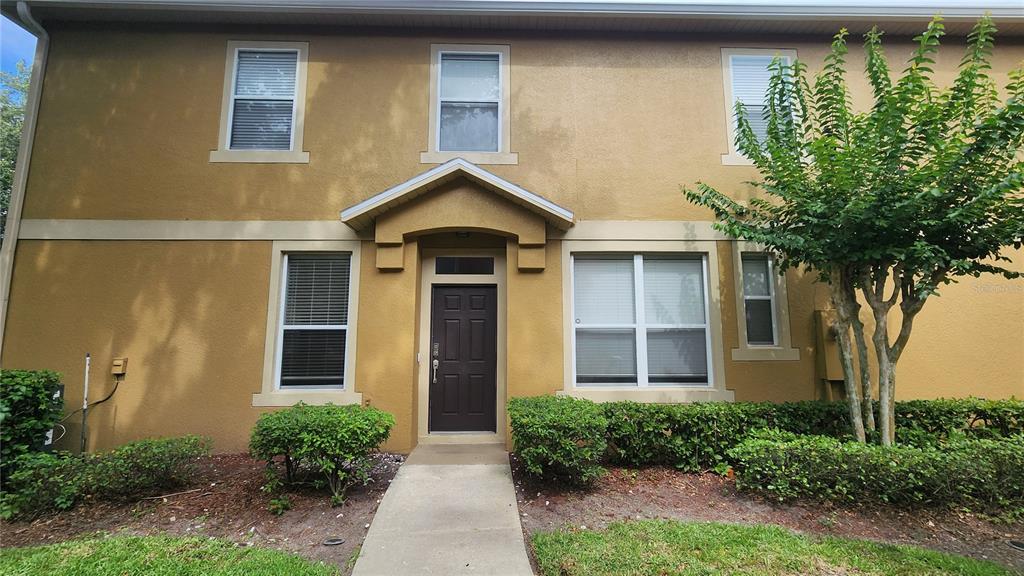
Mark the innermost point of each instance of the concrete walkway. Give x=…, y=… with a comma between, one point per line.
x=450, y=510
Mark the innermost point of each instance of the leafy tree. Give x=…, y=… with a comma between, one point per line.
x=13, y=91
x=884, y=205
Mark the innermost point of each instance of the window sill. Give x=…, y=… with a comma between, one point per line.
x=736, y=159
x=756, y=354
x=651, y=395
x=315, y=397
x=474, y=157
x=260, y=156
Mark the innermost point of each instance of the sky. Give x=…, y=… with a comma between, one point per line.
x=15, y=44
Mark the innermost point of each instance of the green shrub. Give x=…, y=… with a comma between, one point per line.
x=27, y=411
x=698, y=436
x=43, y=482
x=276, y=434
x=946, y=419
x=690, y=437
x=978, y=473
x=559, y=437
x=143, y=466
x=335, y=441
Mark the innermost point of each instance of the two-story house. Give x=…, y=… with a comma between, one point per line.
x=431, y=207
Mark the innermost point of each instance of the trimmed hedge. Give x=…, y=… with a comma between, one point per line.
x=559, y=437
x=335, y=441
x=978, y=473
x=698, y=436
x=948, y=418
x=42, y=482
x=27, y=411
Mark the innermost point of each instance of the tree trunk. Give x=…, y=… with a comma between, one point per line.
x=867, y=405
x=841, y=301
x=885, y=399
x=880, y=338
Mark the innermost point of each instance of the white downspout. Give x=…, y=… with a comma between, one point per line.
x=28, y=132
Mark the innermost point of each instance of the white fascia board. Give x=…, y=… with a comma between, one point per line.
x=666, y=8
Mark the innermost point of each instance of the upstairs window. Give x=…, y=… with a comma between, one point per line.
x=263, y=108
x=314, y=320
x=469, y=104
x=470, y=92
x=640, y=320
x=750, y=78
x=747, y=75
x=263, y=100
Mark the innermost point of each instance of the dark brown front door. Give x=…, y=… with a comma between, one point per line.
x=463, y=358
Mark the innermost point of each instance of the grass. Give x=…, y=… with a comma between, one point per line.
x=663, y=547
x=154, y=555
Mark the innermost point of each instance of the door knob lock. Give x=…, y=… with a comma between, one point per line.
x=434, y=364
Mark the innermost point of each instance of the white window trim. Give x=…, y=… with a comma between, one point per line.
x=715, y=390
x=271, y=393
x=295, y=155
x=783, y=349
x=434, y=155
x=733, y=157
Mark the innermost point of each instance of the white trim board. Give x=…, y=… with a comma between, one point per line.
x=643, y=230
x=185, y=230
x=797, y=9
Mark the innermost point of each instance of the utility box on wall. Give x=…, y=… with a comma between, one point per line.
x=829, y=369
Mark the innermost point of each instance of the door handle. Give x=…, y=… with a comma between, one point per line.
x=434, y=364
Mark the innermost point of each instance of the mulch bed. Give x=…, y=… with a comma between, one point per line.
x=666, y=493
x=226, y=502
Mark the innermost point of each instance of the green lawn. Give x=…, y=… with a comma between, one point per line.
x=154, y=555
x=659, y=547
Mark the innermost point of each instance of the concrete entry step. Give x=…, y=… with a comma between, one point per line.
x=451, y=509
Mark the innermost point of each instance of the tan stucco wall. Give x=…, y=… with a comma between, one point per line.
x=607, y=127
x=189, y=316
x=610, y=126
x=386, y=353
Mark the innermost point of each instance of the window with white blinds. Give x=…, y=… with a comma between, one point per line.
x=749, y=78
x=758, y=299
x=263, y=100
x=640, y=320
x=314, y=320
x=470, y=98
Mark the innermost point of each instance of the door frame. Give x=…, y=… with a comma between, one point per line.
x=428, y=278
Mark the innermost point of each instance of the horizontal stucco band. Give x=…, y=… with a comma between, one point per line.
x=70, y=229
x=185, y=230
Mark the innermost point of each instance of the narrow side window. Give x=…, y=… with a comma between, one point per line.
x=759, y=299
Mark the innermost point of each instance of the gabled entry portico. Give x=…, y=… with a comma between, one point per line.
x=481, y=244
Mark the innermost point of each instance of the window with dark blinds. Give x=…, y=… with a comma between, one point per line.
x=315, y=320
x=263, y=100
